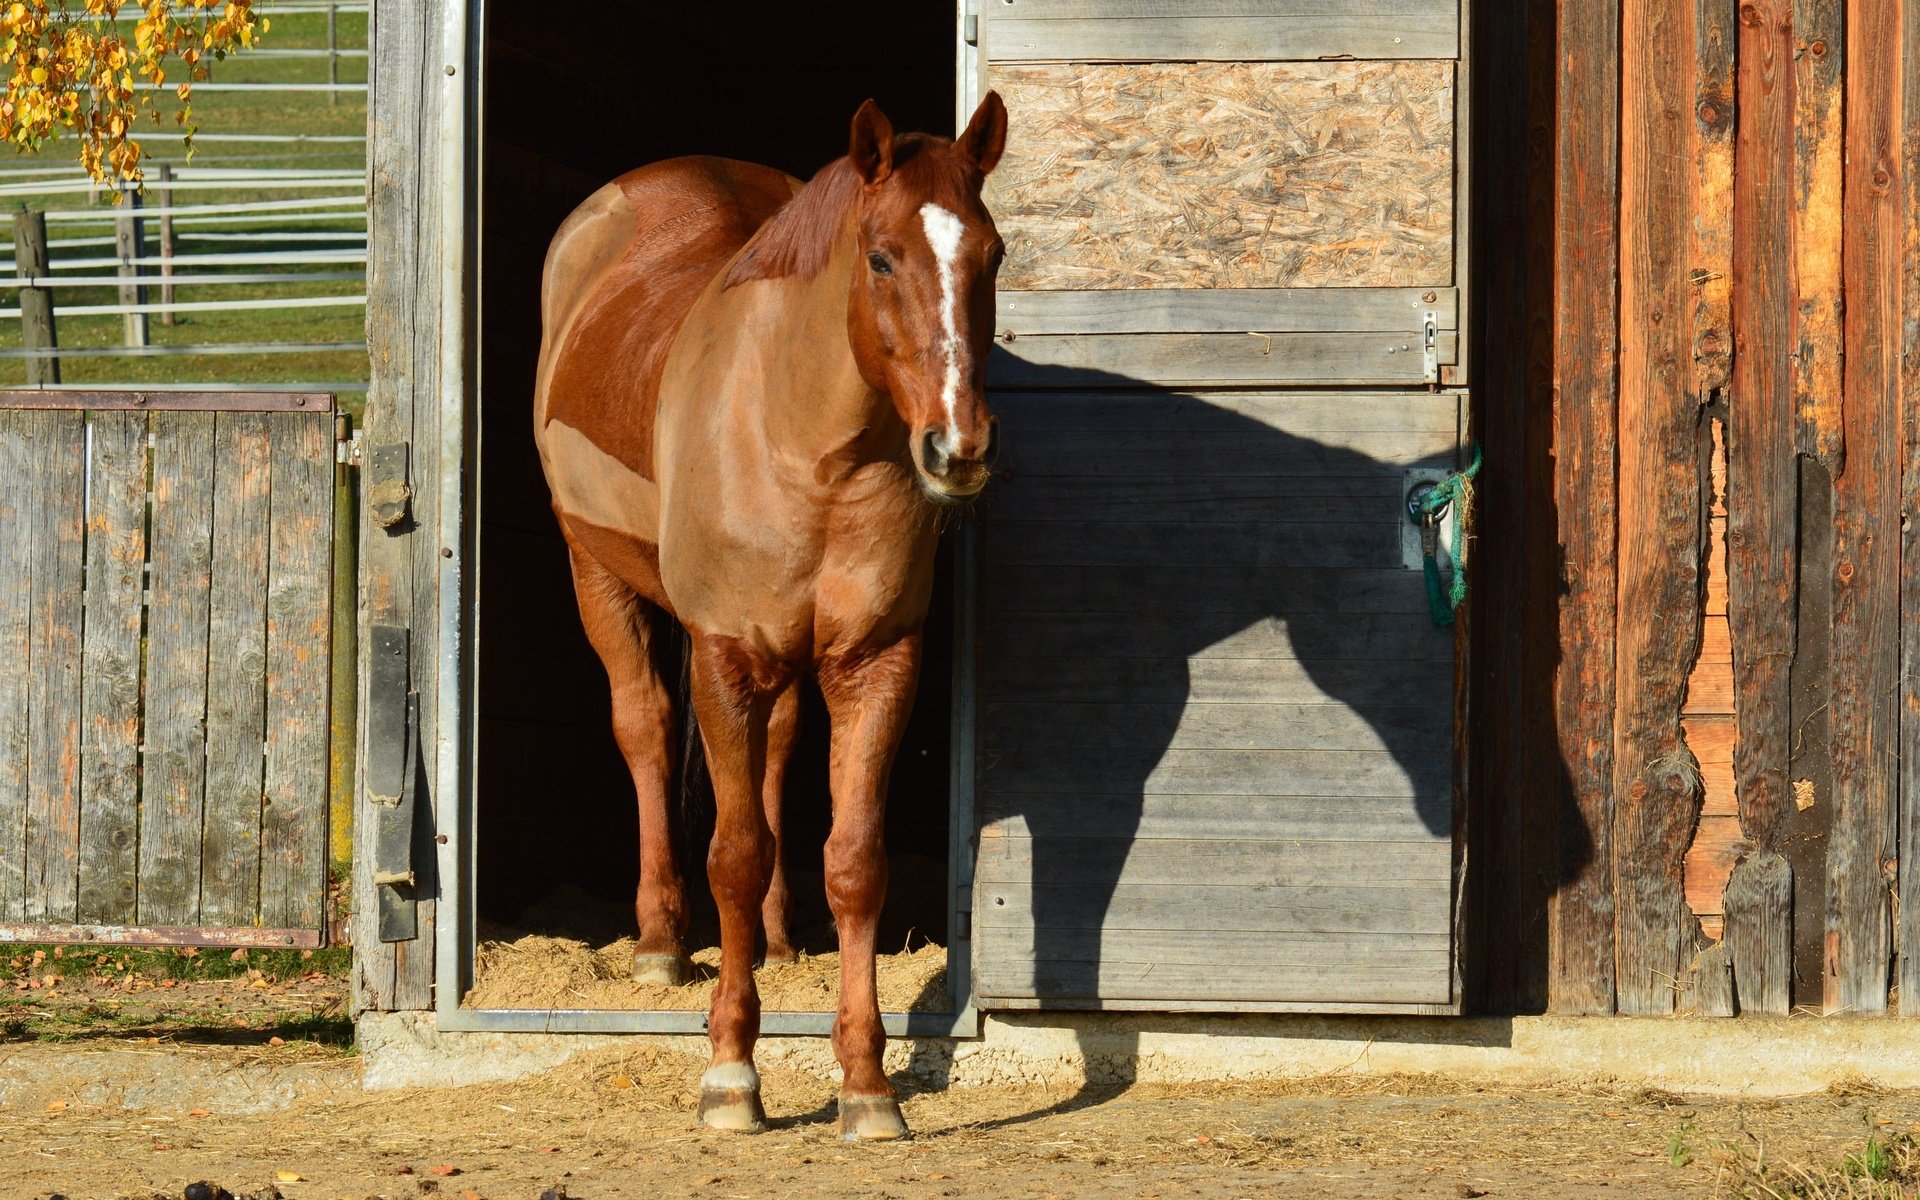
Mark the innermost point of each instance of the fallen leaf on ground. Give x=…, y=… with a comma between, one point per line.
x=196, y=1112
x=288, y=1177
x=549, y=1149
x=623, y=1082
x=274, y=1041
x=446, y=1169
x=403, y=1169
x=162, y=1146
x=57, y=1106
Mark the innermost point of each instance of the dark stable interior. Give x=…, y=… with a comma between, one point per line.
x=557, y=835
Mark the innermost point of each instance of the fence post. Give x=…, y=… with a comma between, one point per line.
x=130, y=243
x=333, y=51
x=36, y=303
x=166, y=243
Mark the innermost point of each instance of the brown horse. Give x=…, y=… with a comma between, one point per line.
x=754, y=398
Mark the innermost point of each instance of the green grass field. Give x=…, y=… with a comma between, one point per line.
x=307, y=113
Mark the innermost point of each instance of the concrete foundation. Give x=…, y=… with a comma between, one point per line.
x=1745, y=1057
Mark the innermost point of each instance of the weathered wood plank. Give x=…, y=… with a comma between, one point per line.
x=1304, y=414
x=110, y=668
x=1313, y=637
x=1071, y=769
x=1250, y=864
x=1361, y=820
x=1202, y=10
x=1866, y=615
x=1907, y=937
x=1225, y=39
x=1760, y=933
x=1241, y=174
x=1255, y=449
x=1195, y=543
x=1763, y=471
x=1710, y=992
x=1235, y=310
x=293, y=850
x=1661, y=463
x=17, y=461
x=1585, y=392
x=1182, y=901
x=1361, y=683
x=1711, y=271
x=1804, y=832
x=174, y=762
x=1196, y=726
x=1223, y=966
x=404, y=338
x=1210, y=590
x=1811, y=31
x=1211, y=359
x=236, y=674
x=1298, y=499
x=53, y=703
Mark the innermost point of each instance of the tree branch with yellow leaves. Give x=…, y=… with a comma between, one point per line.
x=72, y=68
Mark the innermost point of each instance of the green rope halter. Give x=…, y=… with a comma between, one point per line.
x=1456, y=489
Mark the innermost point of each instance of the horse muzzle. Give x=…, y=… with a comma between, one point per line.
x=956, y=468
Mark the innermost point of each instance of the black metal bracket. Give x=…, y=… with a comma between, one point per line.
x=393, y=764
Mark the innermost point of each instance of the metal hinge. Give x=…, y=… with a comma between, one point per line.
x=1430, y=346
x=389, y=495
x=970, y=24
x=347, y=442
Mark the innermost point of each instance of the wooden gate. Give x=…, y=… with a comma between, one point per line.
x=165, y=622
x=1216, y=719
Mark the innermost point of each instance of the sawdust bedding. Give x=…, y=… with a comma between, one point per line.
x=534, y=971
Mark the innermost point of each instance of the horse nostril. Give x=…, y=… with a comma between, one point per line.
x=931, y=456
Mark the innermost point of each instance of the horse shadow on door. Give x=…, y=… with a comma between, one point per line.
x=1191, y=606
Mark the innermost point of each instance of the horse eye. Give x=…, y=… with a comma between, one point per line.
x=879, y=263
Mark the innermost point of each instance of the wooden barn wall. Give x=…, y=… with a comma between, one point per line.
x=1695, y=734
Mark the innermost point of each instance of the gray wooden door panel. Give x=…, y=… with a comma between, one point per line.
x=164, y=740
x=1214, y=759
x=1263, y=820
x=1254, y=682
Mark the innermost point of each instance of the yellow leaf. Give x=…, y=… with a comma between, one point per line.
x=57, y=1106
x=288, y=1177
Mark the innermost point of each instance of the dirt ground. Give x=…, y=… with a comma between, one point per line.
x=195, y=1085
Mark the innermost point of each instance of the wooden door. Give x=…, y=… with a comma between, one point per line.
x=1214, y=715
x=165, y=622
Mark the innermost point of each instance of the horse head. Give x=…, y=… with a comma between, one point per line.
x=920, y=310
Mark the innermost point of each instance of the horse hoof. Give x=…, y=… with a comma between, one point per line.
x=730, y=1099
x=668, y=969
x=871, y=1119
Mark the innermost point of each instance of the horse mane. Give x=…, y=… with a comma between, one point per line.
x=798, y=240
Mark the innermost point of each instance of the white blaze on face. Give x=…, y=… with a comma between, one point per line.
x=943, y=234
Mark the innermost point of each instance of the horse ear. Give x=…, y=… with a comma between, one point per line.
x=871, y=144
x=986, y=134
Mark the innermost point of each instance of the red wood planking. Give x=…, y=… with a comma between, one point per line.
x=1907, y=936
x=1662, y=454
x=1860, y=867
x=1585, y=386
x=1818, y=63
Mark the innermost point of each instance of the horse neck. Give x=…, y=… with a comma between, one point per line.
x=818, y=398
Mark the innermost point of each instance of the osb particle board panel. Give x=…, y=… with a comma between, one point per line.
x=1207, y=175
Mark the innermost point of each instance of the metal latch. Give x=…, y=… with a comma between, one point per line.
x=393, y=763
x=970, y=24
x=1430, y=346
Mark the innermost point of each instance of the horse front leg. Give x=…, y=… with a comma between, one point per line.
x=869, y=698
x=733, y=695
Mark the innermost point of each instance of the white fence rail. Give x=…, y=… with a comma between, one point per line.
x=45, y=282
